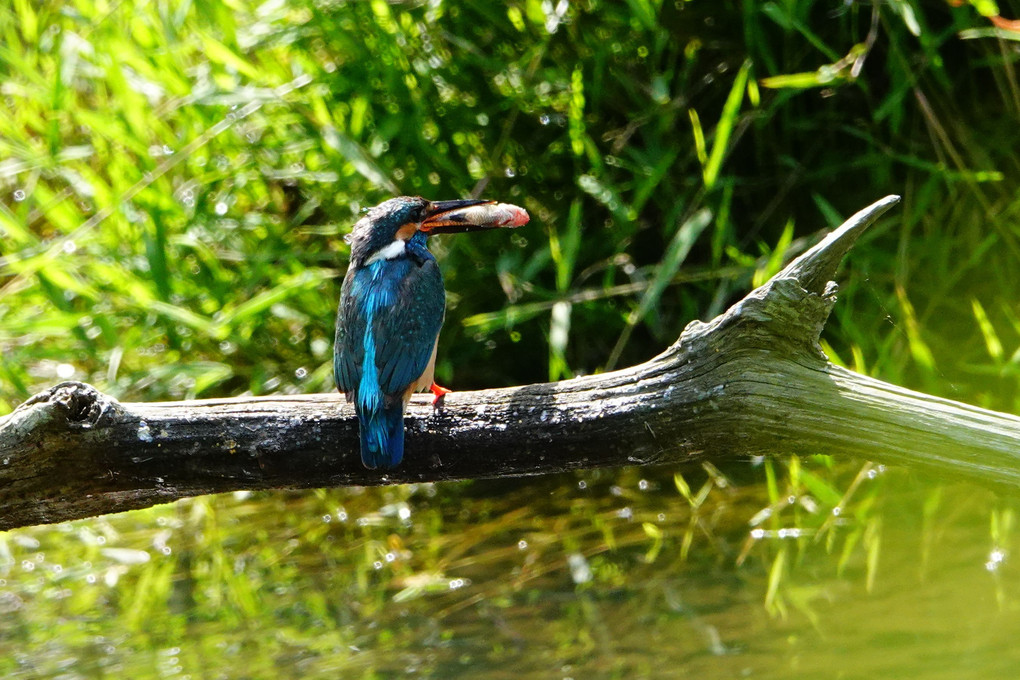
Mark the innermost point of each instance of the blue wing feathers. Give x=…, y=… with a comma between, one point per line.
x=368, y=396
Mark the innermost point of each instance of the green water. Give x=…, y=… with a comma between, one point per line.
x=609, y=574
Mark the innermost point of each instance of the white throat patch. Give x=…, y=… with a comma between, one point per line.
x=395, y=249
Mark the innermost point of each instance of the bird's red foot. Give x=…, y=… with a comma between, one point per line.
x=438, y=393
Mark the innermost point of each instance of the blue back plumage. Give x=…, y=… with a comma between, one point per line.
x=391, y=311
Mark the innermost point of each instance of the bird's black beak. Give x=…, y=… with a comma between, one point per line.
x=454, y=217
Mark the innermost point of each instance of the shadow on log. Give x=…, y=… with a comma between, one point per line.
x=752, y=381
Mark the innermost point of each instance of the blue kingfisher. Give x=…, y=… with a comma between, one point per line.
x=392, y=305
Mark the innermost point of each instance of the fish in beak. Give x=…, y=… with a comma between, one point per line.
x=455, y=217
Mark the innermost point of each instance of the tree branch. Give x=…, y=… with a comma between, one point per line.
x=751, y=381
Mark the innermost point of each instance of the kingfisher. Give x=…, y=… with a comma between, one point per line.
x=392, y=306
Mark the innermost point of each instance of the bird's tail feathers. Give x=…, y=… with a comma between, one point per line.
x=382, y=436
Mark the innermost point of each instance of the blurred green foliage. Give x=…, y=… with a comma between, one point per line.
x=175, y=179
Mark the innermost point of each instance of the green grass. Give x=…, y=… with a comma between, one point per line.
x=176, y=183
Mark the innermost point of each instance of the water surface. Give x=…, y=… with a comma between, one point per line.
x=599, y=574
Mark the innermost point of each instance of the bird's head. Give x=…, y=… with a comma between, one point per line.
x=385, y=229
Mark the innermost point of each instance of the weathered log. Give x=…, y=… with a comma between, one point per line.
x=752, y=381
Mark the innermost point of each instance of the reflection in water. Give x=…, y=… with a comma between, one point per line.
x=761, y=571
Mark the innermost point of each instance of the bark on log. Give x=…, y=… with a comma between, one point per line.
x=752, y=381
